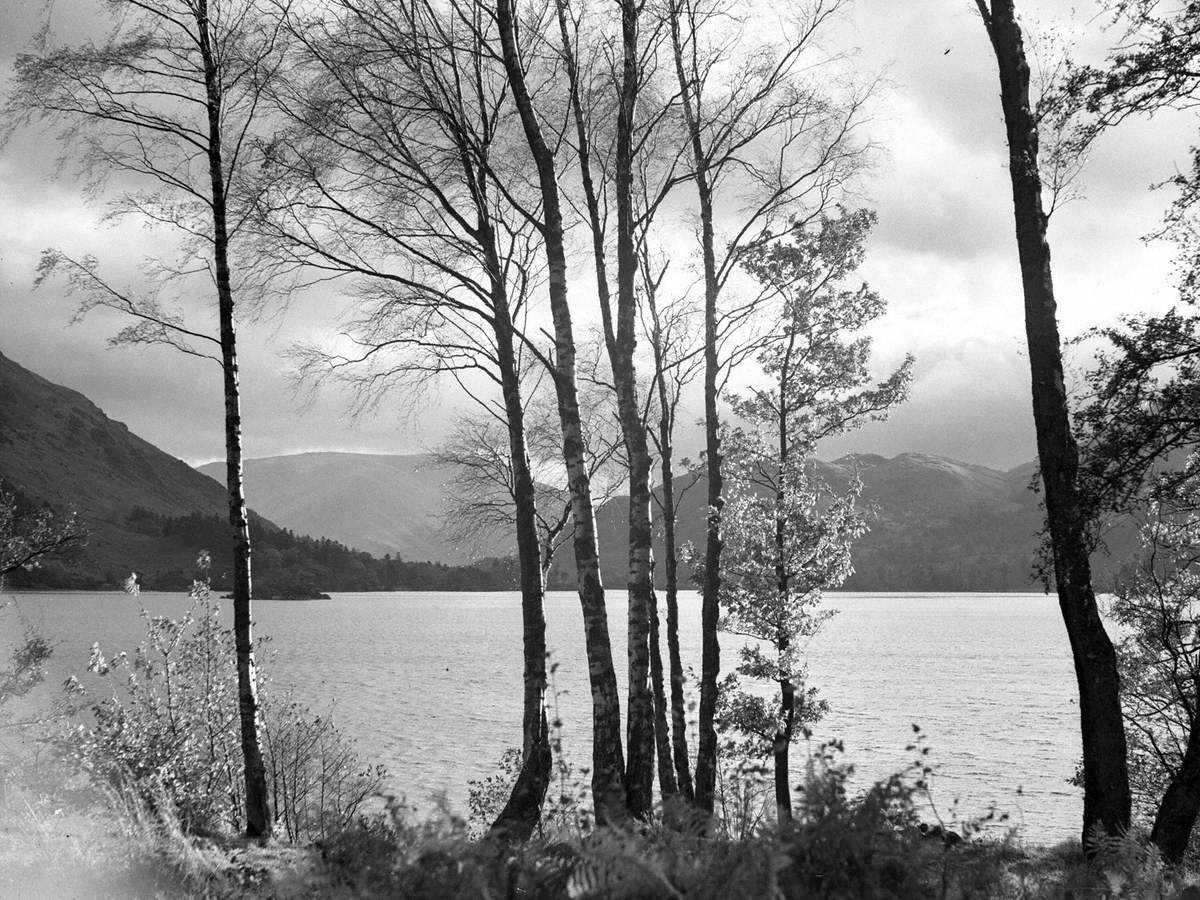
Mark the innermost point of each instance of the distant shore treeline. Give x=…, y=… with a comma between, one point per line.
x=285, y=564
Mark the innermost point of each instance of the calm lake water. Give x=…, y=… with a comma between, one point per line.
x=430, y=684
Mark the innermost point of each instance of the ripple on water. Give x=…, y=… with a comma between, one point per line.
x=430, y=684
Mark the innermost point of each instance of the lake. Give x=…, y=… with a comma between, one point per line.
x=430, y=684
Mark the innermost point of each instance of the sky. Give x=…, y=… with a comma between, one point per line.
x=943, y=255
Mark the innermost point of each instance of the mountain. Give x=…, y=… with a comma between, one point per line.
x=151, y=513
x=940, y=524
x=381, y=504
x=58, y=449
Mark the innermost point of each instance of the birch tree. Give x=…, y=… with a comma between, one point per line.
x=405, y=179
x=165, y=111
x=608, y=758
x=669, y=324
x=610, y=74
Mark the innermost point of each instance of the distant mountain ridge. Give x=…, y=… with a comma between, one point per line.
x=378, y=503
x=941, y=524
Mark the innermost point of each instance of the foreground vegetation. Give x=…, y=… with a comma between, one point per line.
x=836, y=847
x=133, y=791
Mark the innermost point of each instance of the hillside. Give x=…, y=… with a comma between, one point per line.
x=941, y=524
x=150, y=513
x=57, y=448
x=376, y=503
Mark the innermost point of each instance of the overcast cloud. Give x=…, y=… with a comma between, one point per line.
x=943, y=255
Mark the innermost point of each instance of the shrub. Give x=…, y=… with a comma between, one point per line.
x=169, y=734
x=317, y=782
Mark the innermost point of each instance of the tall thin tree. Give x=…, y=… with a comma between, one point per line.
x=170, y=101
x=669, y=326
x=619, y=89
x=396, y=179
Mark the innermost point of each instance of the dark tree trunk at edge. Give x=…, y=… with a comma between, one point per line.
x=1105, y=775
x=1180, y=804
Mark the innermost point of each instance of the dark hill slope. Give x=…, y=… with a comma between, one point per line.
x=57, y=448
x=939, y=525
x=151, y=513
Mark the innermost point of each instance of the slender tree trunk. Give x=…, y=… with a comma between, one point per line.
x=608, y=765
x=1180, y=804
x=787, y=690
x=1106, y=800
x=258, y=807
x=592, y=202
x=523, y=811
x=679, y=748
x=639, y=771
x=710, y=648
x=620, y=340
x=667, y=787
x=781, y=748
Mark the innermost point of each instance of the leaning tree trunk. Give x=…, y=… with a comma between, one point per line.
x=608, y=765
x=258, y=807
x=523, y=811
x=1106, y=800
x=1180, y=804
x=639, y=770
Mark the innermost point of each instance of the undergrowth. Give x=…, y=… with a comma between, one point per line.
x=162, y=806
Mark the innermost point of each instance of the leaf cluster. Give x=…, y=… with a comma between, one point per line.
x=28, y=534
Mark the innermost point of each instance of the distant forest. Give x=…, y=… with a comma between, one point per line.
x=285, y=564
